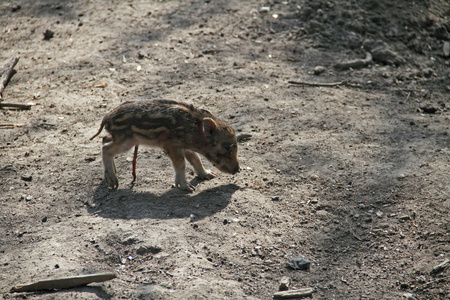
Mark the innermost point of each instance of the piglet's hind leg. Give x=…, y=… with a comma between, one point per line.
x=133, y=172
x=109, y=151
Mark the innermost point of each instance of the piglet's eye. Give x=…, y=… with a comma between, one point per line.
x=228, y=147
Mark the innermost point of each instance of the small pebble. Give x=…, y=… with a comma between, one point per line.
x=15, y=8
x=284, y=283
x=408, y=296
x=26, y=177
x=142, y=250
x=404, y=285
x=319, y=70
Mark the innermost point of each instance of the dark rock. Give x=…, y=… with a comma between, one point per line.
x=26, y=177
x=381, y=52
x=428, y=109
x=142, y=250
x=15, y=8
x=299, y=263
x=404, y=286
x=48, y=34
x=130, y=241
x=243, y=137
x=154, y=249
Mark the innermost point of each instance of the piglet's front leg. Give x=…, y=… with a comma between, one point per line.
x=195, y=161
x=179, y=165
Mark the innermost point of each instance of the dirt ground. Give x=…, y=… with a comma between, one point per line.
x=353, y=177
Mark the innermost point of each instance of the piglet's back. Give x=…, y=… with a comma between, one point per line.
x=149, y=119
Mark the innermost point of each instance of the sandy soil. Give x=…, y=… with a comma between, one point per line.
x=352, y=177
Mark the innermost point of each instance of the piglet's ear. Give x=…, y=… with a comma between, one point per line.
x=209, y=125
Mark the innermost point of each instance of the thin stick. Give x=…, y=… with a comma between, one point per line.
x=325, y=84
x=63, y=283
x=437, y=280
x=316, y=83
x=16, y=105
x=6, y=74
x=10, y=125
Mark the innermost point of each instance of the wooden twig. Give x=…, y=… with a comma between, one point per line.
x=294, y=294
x=6, y=74
x=316, y=83
x=10, y=125
x=437, y=280
x=324, y=84
x=17, y=105
x=63, y=283
x=355, y=64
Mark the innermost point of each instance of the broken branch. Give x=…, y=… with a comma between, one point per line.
x=6, y=74
x=6, y=126
x=355, y=64
x=17, y=105
x=325, y=84
x=294, y=294
x=63, y=283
